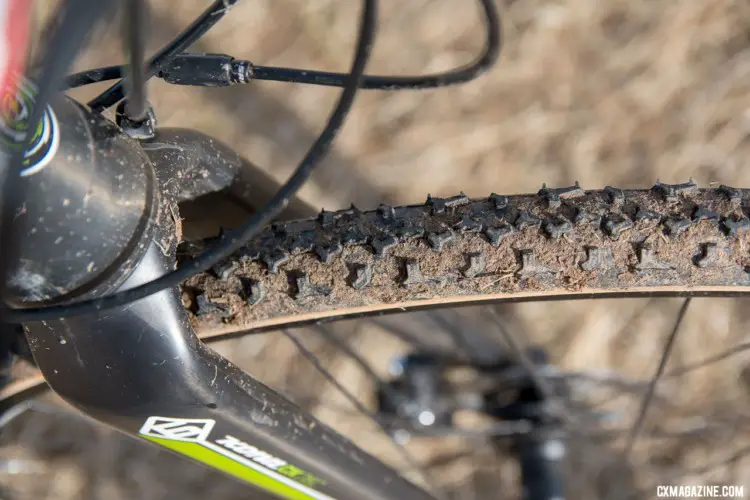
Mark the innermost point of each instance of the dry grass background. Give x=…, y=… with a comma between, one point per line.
x=616, y=92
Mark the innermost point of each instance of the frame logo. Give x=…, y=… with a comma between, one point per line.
x=179, y=429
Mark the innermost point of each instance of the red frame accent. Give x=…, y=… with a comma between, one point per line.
x=14, y=30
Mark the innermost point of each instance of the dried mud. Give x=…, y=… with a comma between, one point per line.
x=670, y=236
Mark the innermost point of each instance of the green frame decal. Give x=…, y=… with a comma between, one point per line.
x=191, y=438
x=14, y=116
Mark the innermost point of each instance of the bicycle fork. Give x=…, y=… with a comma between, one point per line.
x=140, y=368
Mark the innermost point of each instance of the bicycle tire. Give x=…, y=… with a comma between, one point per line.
x=558, y=243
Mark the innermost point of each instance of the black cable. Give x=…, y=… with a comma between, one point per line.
x=190, y=35
x=92, y=76
x=257, y=221
x=486, y=59
x=67, y=37
x=135, y=36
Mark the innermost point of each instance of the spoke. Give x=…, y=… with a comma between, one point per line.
x=402, y=334
x=348, y=351
x=299, y=377
x=407, y=457
x=459, y=339
x=541, y=383
x=711, y=466
x=447, y=459
x=709, y=361
x=701, y=470
x=691, y=428
x=603, y=378
x=655, y=379
x=636, y=315
x=311, y=403
x=34, y=406
x=498, y=429
x=333, y=339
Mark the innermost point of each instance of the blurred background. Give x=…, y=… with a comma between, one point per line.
x=617, y=93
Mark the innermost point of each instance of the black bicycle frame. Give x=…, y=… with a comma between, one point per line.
x=141, y=368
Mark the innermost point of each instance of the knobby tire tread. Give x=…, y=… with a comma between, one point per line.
x=558, y=240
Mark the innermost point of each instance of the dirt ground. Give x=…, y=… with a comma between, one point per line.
x=605, y=93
